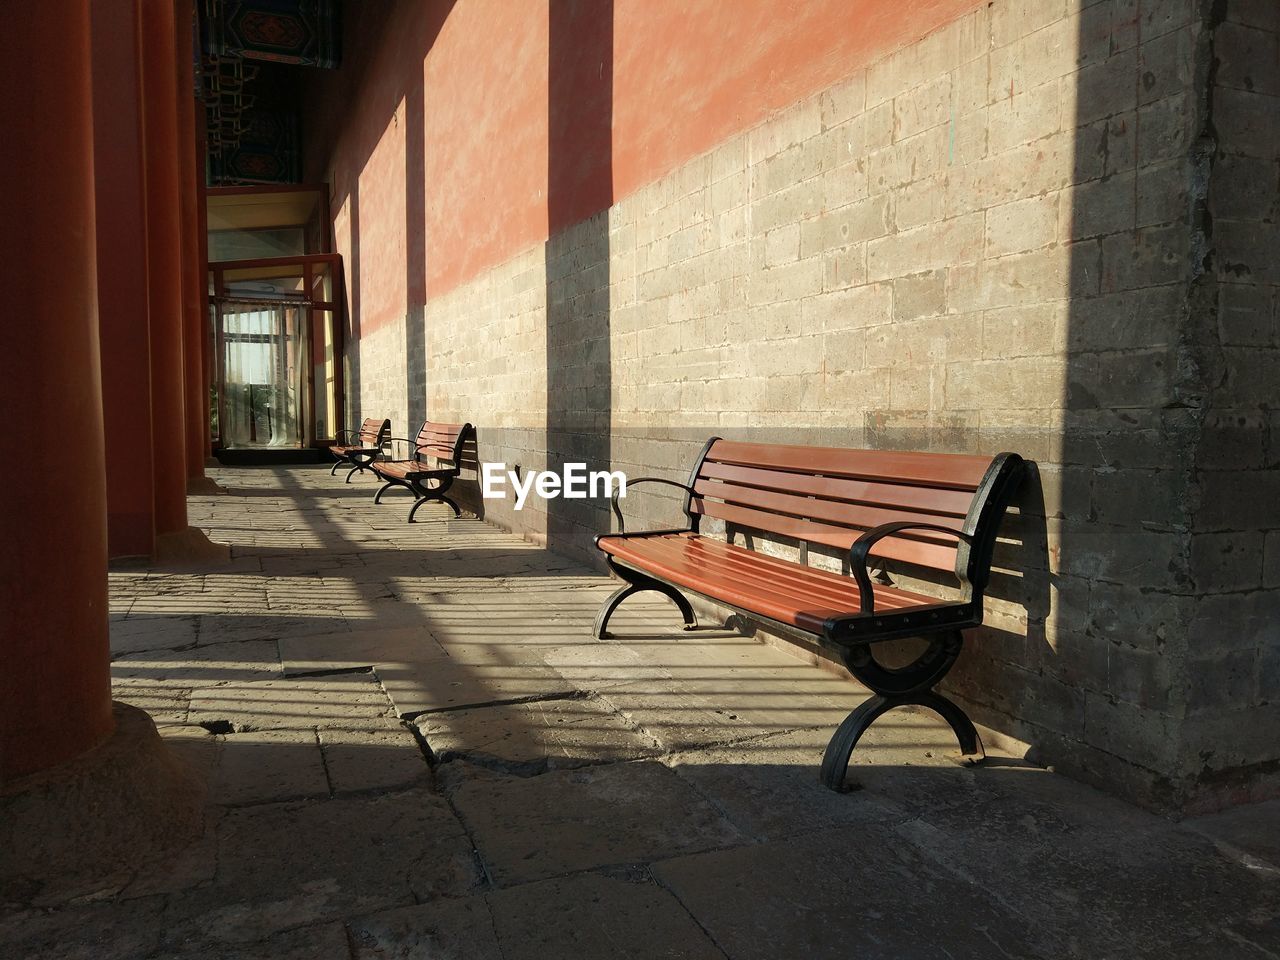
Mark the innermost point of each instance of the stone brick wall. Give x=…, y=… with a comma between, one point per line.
x=1017, y=233
x=1233, y=657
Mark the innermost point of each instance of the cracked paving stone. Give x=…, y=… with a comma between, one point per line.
x=585, y=917
x=352, y=701
x=859, y=892
x=569, y=820
x=545, y=734
x=289, y=865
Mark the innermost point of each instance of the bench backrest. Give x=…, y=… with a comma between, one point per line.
x=442, y=441
x=373, y=432
x=831, y=496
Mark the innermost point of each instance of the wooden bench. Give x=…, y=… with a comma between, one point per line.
x=436, y=458
x=360, y=447
x=930, y=512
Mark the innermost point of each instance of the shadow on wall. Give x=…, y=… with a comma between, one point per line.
x=415, y=232
x=1149, y=671
x=351, y=338
x=579, y=183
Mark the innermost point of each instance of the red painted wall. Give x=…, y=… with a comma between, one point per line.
x=683, y=77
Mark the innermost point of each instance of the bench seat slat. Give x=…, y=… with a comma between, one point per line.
x=806, y=598
x=773, y=572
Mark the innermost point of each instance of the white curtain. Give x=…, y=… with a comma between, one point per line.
x=264, y=360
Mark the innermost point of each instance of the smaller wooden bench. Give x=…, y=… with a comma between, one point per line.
x=929, y=512
x=360, y=447
x=432, y=466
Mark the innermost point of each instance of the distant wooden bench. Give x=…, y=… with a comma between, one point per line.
x=929, y=511
x=360, y=447
x=432, y=466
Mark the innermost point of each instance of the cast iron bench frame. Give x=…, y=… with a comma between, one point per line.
x=851, y=635
x=432, y=443
x=370, y=438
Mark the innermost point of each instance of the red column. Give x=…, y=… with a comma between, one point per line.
x=194, y=282
x=122, y=277
x=55, y=693
x=202, y=235
x=165, y=265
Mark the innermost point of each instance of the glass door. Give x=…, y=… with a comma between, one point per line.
x=263, y=356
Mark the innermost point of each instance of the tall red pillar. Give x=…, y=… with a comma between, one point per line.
x=122, y=277
x=194, y=272
x=165, y=266
x=55, y=694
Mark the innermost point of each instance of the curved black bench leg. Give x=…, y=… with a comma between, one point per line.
x=835, y=762
x=417, y=503
x=897, y=687
x=377, y=497
x=638, y=583
x=599, y=631
x=352, y=472
x=456, y=512
x=334, y=468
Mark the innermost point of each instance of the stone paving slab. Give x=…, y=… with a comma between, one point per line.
x=165, y=702
x=323, y=941
x=152, y=632
x=450, y=684
x=328, y=652
x=352, y=701
x=546, y=734
x=589, y=917
x=372, y=759
x=769, y=789
x=297, y=864
x=233, y=628
x=265, y=766
x=569, y=820
x=704, y=706
x=1053, y=848
x=854, y=892
x=1250, y=833
x=204, y=666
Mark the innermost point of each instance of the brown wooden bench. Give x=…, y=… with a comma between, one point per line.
x=929, y=512
x=360, y=447
x=431, y=466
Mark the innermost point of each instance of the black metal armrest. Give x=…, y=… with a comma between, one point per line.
x=861, y=549
x=617, y=512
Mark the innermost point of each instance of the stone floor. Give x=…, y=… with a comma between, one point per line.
x=414, y=749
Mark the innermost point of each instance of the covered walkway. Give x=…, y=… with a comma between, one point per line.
x=413, y=748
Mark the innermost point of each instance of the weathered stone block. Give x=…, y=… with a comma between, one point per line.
x=1222, y=562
